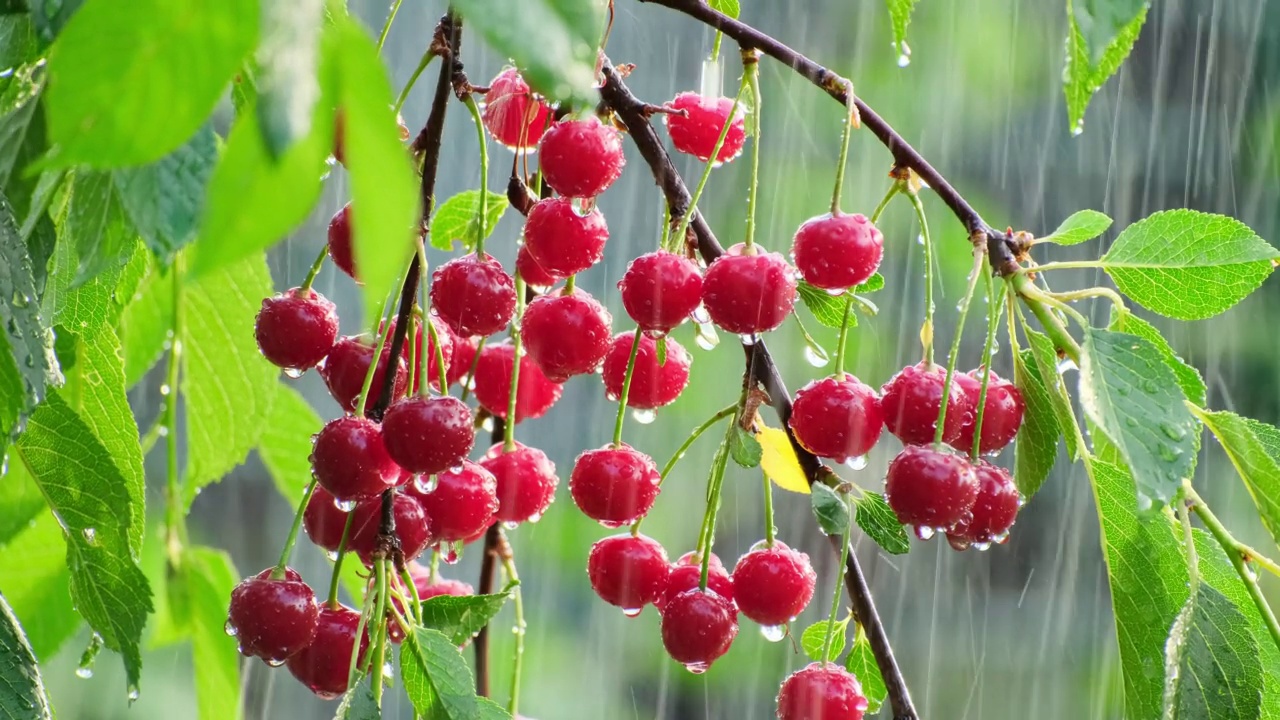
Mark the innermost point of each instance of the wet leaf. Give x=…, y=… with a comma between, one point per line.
x=1101, y=21
x=1254, y=449
x=814, y=637
x=1046, y=362
x=1081, y=226
x=862, y=663
x=1212, y=669
x=744, y=448
x=830, y=509
x=873, y=283
x=899, y=17
x=22, y=693
x=1037, y=446
x=1188, y=377
x=439, y=680
x=880, y=523
x=460, y=618
x=166, y=198
x=359, y=704
x=27, y=360
x=457, y=220
x=826, y=308
x=1084, y=75
x=209, y=577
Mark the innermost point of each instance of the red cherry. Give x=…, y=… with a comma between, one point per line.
x=614, y=485
x=473, y=296
x=347, y=364
x=1001, y=417
x=464, y=355
x=428, y=435
x=652, y=385
x=412, y=527
x=930, y=490
x=821, y=691
x=993, y=511
x=273, y=618
x=698, y=627
x=526, y=482
x=747, y=294
x=536, y=394
x=350, y=460
x=562, y=240
x=697, y=130
x=772, y=585
x=433, y=366
x=628, y=571
x=463, y=502
x=340, y=248
x=323, y=666
x=581, y=158
x=686, y=574
x=324, y=520
x=660, y=290
x=512, y=114
x=566, y=334
x=532, y=271
x=837, y=252
x=910, y=403
x=428, y=589
x=836, y=418
x=295, y=330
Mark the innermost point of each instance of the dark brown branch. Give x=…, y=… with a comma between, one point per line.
x=631, y=111
x=488, y=571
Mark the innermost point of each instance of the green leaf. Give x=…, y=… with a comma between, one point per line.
x=165, y=199
x=285, y=442
x=287, y=59
x=1083, y=76
x=728, y=7
x=96, y=225
x=1046, y=362
x=880, y=523
x=359, y=704
x=27, y=361
x=22, y=693
x=145, y=321
x=1189, y=378
x=438, y=679
x=35, y=580
x=209, y=577
x=1212, y=669
x=1129, y=392
x=862, y=663
x=826, y=308
x=20, y=501
x=1080, y=227
x=457, y=220
x=744, y=448
x=22, y=128
x=1100, y=21
x=830, y=509
x=460, y=618
x=226, y=411
x=79, y=308
x=814, y=637
x=130, y=83
x=50, y=16
x=899, y=17
x=1254, y=449
x=873, y=283
x=552, y=41
x=1037, y=446
x=1189, y=265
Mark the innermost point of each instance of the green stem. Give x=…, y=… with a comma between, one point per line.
x=626, y=387
x=1089, y=293
x=149, y=438
x=817, y=350
x=1067, y=265
x=380, y=617
x=289, y=542
x=894, y=189
x=712, y=162
x=1049, y=322
x=570, y=283
x=424, y=370
x=386, y=27
x=752, y=71
x=844, y=333
x=1188, y=540
x=366, y=609
x=850, y=109
x=835, y=601
x=729, y=411
x=406, y=578
x=509, y=427
x=175, y=525
x=388, y=306
x=979, y=268
x=337, y=564
x=715, y=47
x=427, y=57
x=517, y=603
x=411, y=350
x=315, y=269
x=471, y=371
x=714, y=483
x=927, y=338
x=665, y=231
x=482, y=218
x=769, y=531
x=995, y=307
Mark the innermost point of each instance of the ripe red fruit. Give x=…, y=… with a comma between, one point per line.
x=428, y=435
x=993, y=512
x=535, y=395
x=660, y=290
x=340, y=248
x=350, y=460
x=512, y=114
x=273, y=618
x=836, y=418
x=347, y=364
x=910, y=403
x=837, y=252
x=930, y=490
x=566, y=334
x=628, y=571
x=412, y=526
x=652, y=385
x=442, y=586
x=686, y=574
x=463, y=502
x=464, y=355
x=433, y=367
x=698, y=627
x=747, y=294
x=821, y=692
x=697, y=130
x=1001, y=418
x=324, y=520
x=526, y=482
x=323, y=666
x=473, y=296
x=296, y=329
x=581, y=158
x=772, y=585
x=562, y=240
x=532, y=271
x=614, y=485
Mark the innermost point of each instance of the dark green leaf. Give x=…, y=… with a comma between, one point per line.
x=28, y=363
x=209, y=577
x=1101, y=21
x=826, y=308
x=830, y=509
x=22, y=693
x=285, y=443
x=457, y=220
x=439, y=681
x=1188, y=377
x=96, y=226
x=862, y=663
x=359, y=704
x=880, y=523
x=50, y=16
x=145, y=321
x=1129, y=392
x=129, y=84
x=1211, y=662
x=728, y=7
x=460, y=618
x=1046, y=362
x=815, y=636
x=744, y=448
x=899, y=17
x=1080, y=227
x=22, y=130
x=1083, y=76
x=1254, y=449
x=35, y=580
x=1037, y=445
x=166, y=198
x=287, y=59
x=873, y=283
x=18, y=41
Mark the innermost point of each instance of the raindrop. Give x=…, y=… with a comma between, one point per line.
x=1131, y=422
x=510, y=525
x=90, y=535
x=332, y=555
x=1249, y=573
x=344, y=505
x=274, y=662
x=700, y=315
x=487, y=425
x=859, y=462
x=1171, y=431
x=1078, y=130
x=632, y=612
x=1144, y=502
x=425, y=483
x=923, y=532
x=981, y=546
x=611, y=396
x=534, y=518
x=1067, y=365
x=4, y=465
x=230, y=629
x=696, y=668
x=21, y=299
x=816, y=356
x=163, y=431
x=1150, y=386
x=133, y=693
x=612, y=525
x=644, y=417
x=1168, y=454
x=293, y=373
x=919, y=239
x=451, y=555
x=84, y=672
x=1122, y=390
x=904, y=55
x=835, y=292
x=706, y=337
x=773, y=633
x=748, y=339
x=388, y=672
x=165, y=389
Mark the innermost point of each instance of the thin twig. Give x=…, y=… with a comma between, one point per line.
x=488, y=570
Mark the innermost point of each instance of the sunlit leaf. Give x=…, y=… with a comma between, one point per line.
x=35, y=580
x=728, y=7
x=27, y=360
x=1254, y=449
x=1081, y=226
x=1101, y=21
x=779, y=461
x=285, y=442
x=862, y=663
x=1211, y=662
x=460, y=618
x=209, y=577
x=439, y=682
x=899, y=17
x=814, y=637
x=1046, y=362
x=828, y=309
x=286, y=81
x=1037, y=446
x=1083, y=75
x=22, y=693
x=880, y=523
x=457, y=220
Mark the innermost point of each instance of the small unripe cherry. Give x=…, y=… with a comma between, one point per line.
x=686, y=574
x=463, y=502
x=660, y=290
x=772, y=585
x=346, y=366
x=561, y=239
x=350, y=460
x=581, y=158
x=1001, y=418
x=911, y=399
x=413, y=528
x=628, y=571
x=526, y=481
x=323, y=666
x=566, y=334
x=614, y=485
x=696, y=130
x=535, y=394
x=698, y=626
x=837, y=252
x=653, y=385
x=472, y=295
x=821, y=691
x=428, y=435
x=930, y=490
x=993, y=512
x=272, y=618
x=296, y=329
x=512, y=114
x=748, y=294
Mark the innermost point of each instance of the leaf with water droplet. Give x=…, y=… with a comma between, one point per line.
x=22, y=694
x=27, y=361
x=1037, y=446
x=744, y=448
x=1254, y=450
x=438, y=679
x=1188, y=377
x=830, y=508
x=814, y=638
x=826, y=308
x=899, y=17
x=880, y=523
x=1212, y=669
x=862, y=663
x=460, y=618
x=1086, y=71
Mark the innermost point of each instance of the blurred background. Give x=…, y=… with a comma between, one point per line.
x=1023, y=630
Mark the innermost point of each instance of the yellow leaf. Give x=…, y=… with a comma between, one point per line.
x=779, y=459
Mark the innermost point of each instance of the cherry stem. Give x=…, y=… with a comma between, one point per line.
x=315, y=269
x=482, y=211
x=386, y=26
x=849, y=117
x=1087, y=293
x=427, y=57
x=517, y=603
x=380, y=616
x=406, y=578
x=570, y=283
x=818, y=352
x=384, y=332
x=469, y=378
x=509, y=427
x=769, y=531
x=676, y=457
x=751, y=66
x=835, y=601
x=979, y=269
x=926, y=333
x=844, y=333
x=289, y=542
x=626, y=387
x=175, y=524
x=366, y=609
x=1064, y=265
x=715, y=47
x=337, y=563
x=715, y=482
x=894, y=189
x=995, y=308
x=1050, y=322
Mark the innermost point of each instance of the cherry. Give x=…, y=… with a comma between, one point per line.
x=428, y=589
x=748, y=294
x=464, y=354
x=324, y=520
x=686, y=574
x=473, y=296
x=614, y=485
x=704, y=118
x=821, y=691
x=295, y=329
x=535, y=395
x=993, y=511
x=413, y=527
x=526, y=482
x=836, y=418
x=772, y=585
x=428, y=435
x=910, y=403
x=347, y=364
x=698, y=626
x=628, y=571
x=350, y=460
x=532, y=271
x=512, y=114
x=660, y=290
x=273, y=618
x=929, y=489
x=1001, y=416
x=340, y=248
x=652, y=385
x=581, y=158
x=566, y=334
x=463, y=502
x=446, y=339
x=837, y=252
x=562, y=240
x=323, y=666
